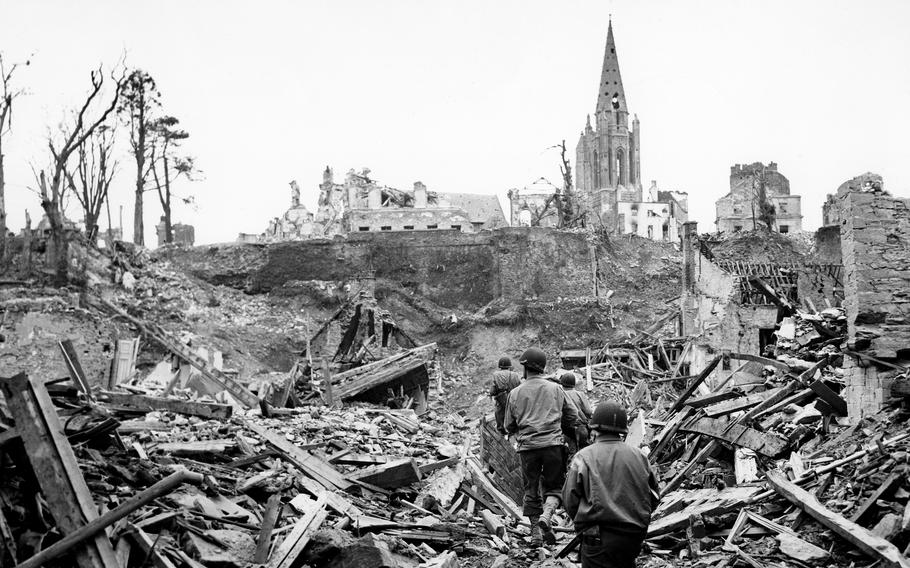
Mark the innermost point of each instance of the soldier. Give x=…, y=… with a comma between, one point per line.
x=539, y=413
x=583, y=406
x=610, y=492
x=504, y=380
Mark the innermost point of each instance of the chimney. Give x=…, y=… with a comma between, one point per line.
x=420, y=195
x=690, y=234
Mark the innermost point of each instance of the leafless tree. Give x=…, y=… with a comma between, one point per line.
x=53, y=180
x=95, y=169
x=168, y=164
x=8, y=94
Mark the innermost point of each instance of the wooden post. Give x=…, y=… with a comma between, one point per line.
x=327, y=380
x=55, y=467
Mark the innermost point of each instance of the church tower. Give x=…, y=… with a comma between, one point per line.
x=608, y=163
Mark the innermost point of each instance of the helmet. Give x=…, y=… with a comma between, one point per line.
x=534, y=359
x=610, y=417
x=505, y=363
x=567, y=379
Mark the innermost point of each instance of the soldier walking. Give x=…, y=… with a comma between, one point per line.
x=610, y=492
x=504, y=380
x=539, y=413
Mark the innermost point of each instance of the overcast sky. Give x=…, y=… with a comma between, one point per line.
x=469, y=95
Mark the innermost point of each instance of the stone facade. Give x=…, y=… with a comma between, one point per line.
x=875, y=242
x=360, y=204
x=608, y=166
x=739, y=209
x=831, y=208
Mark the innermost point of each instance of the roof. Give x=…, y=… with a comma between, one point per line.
x=480, y=208
x=610, y=80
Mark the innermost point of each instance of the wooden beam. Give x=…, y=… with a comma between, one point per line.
x=150, y=403
x=481, y=479
x=300, y=535
x=269, y=518
x=321, y=471
x=698, y=380
x=763, y=443
x=760, y=360
x=391, y=475
x=867, y=505
x=55, y=467
x=669, y=430
x=876, y=547
x=713, y=398
x=74, y=368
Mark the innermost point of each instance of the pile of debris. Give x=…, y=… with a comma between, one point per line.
x=123, y=480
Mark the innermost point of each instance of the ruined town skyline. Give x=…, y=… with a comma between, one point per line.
x=430, y=93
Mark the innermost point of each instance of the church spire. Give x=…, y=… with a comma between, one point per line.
x=610, y=94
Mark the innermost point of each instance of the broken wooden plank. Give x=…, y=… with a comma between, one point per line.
x=480, y=478
x=358, y=459
x=669, y=430
x=764, y=443
x=876, y=547
x=391, y=475
x=695, y=383
x=150, y=403
x=269, y=518
x=292, y=546
x=199, y=447
x=493, y=523
x=97, y=525
x=731, y=406
x=148, y=546
x=713, y=398
x=684, y=472
x=55, y=467
x=887, y=485
x=707, y=502
x=834, y=400
x=760, y=360
x=74, y=368
x=429, y=468
x=320, y=470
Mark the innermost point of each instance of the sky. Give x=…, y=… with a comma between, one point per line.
x=469, y=96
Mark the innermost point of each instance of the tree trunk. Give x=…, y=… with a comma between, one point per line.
x=168, y=227
x=138, y=226
x=25, y=261
x=2, y=210
x=59, y=259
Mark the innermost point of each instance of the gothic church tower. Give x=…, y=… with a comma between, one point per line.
x=608, y=159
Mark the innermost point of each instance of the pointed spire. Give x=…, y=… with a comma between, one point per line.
x=610, y=92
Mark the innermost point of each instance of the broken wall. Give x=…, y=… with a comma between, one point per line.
x=875, y=243
x=451, y=268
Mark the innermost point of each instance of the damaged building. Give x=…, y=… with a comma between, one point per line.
x=759, y=195
x=361, y=204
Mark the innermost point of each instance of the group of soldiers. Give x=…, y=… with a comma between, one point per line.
x=609, y=489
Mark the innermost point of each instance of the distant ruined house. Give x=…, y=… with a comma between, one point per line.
x=740, y=209
x=360, y=204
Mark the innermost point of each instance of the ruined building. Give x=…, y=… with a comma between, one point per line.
x=608, y=166
x=741, y=208
x=361, y=204
x=182, y=234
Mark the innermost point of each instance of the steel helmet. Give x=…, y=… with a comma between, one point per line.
x=610, y=417
x=567, y=379
x=505, y=363
x=534, y=359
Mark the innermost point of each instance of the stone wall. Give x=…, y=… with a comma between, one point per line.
x=407, y=218
x=451, y=268
x=875, y=244
x=827, y=244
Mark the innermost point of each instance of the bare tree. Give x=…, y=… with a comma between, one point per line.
x=7, y=95
x=140, y=99
x=168, y=165
x=52, y=182
x=95, y=169
x=766, y=213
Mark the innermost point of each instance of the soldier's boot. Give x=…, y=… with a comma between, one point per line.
x=535, y=532
x=546, y=520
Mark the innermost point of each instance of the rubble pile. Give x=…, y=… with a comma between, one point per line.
x=362, y=485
